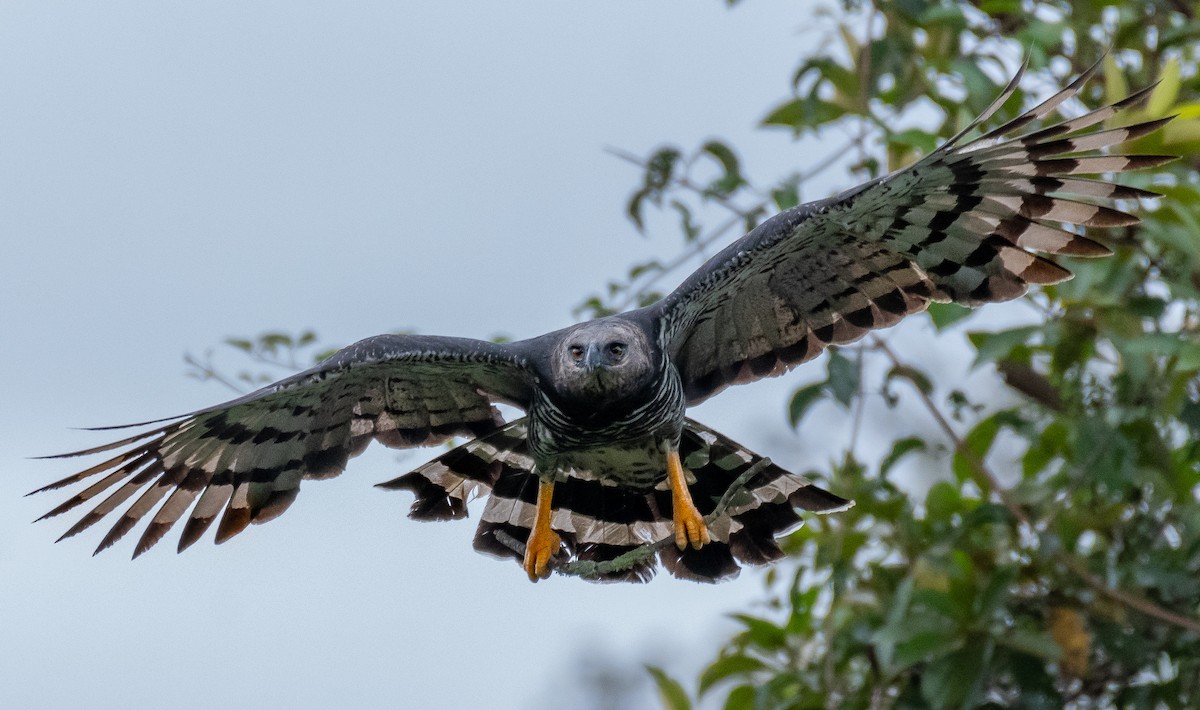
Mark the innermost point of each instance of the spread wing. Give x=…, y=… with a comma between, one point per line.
x=959, y=225
x=247, y=457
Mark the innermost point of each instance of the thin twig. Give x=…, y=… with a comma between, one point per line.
x=860, y=405
x=208, y=372
x=688, y=185
x=984, y=477
x=741, y=214
x=1133, y=601
x=275, y=361
x=694, y=249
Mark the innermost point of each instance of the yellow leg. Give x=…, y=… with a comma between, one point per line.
x=689, y=523
x=543, y=542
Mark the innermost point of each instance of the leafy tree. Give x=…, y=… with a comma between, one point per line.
x=1055, y=559
x=1052, y=558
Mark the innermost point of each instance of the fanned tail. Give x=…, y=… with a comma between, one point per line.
x=599, y=522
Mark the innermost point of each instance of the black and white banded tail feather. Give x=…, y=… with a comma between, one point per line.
x=599, y=522
x=968, y=223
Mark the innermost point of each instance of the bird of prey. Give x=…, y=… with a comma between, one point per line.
x=604, y=459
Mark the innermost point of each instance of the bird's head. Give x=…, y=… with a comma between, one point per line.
x=601, y=362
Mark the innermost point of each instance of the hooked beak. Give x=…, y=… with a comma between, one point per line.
x=593, y=359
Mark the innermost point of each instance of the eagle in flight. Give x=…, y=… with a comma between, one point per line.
x=605, y=459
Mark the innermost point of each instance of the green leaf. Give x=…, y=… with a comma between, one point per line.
x=926, y=645
x=1163, y=98
x=991, y=347
x=1041, y=35
x=669, y=690
x=942, y=501
x=1115, y=86
x=807, y=112
x=844, y=377
x=726, y=666
x=987, y=514
x=921, y=141
x=1190, y=415
x=1000, y=7
x=787, y=195
x=741, y=698
x=1034, y=643
x=691, y=230
x=918, y=379
x=939, y=14
x=950, y=681
x=634, y=209
x=1185, y=350
x=723, y=155
x=762, y=633
x=977, y=442
x=996, y=593
x=271, y=341
x=1050, y=444
x=945, y=315
x=1146, y=306
x=899, y=450
x=802, y=399
x=660, y=168
x=645, y=267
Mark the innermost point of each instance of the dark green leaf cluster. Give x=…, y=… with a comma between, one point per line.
x=1042, y=549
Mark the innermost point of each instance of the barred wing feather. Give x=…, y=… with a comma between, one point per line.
x=959, y=225
x=245, y=459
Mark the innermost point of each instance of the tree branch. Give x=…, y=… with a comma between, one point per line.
x=205, y=371
x=984, y=477
x=989, y=483
x=741, y=214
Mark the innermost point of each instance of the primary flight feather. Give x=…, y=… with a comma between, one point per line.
x=605, y=460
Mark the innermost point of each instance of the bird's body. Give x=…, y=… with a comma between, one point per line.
x=612, y=423
x=605, y=460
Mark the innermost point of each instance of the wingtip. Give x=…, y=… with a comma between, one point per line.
x=134, y=425
x=840, y=509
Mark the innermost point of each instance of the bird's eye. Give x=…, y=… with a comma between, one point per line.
x=576, y=352
x=616, y=350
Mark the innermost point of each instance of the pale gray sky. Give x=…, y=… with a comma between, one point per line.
x=177, y=173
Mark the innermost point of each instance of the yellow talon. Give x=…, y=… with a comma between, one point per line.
x=543, y=542
x=689, y=523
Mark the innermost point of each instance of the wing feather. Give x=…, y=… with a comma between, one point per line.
x=959, y=225
x=244, y=460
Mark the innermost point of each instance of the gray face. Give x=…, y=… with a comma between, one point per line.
x=601, y=361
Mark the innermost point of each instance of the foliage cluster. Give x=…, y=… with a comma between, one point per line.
x=1055, y=560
